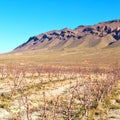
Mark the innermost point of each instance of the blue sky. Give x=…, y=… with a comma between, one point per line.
x=21, y=19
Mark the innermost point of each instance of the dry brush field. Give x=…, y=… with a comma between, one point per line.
x=54, y=92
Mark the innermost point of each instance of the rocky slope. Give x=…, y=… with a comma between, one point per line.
x=104, y=34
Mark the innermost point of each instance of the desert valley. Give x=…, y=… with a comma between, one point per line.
x=68, y=74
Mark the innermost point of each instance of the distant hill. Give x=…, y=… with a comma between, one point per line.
x=102, y=35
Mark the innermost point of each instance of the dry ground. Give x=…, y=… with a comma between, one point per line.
x=69, y=85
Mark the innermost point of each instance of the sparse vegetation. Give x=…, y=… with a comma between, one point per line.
x=56, y=92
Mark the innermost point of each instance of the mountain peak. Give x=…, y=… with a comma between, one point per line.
x=67, y=38
x=113, y=21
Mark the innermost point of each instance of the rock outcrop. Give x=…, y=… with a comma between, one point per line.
x=108, y=32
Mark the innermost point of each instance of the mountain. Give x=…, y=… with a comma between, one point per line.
x=101, y=35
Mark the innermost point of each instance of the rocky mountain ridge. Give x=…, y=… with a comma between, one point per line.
x=104, y=34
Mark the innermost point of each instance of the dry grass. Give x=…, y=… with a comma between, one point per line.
x=54, y=92
x=70, y=85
